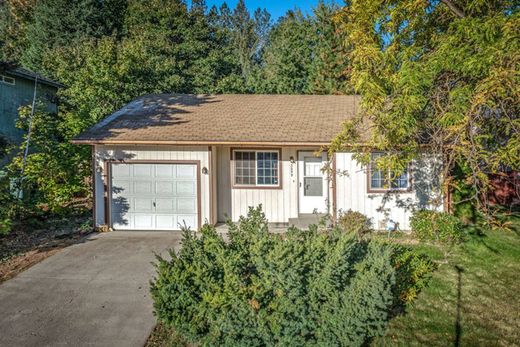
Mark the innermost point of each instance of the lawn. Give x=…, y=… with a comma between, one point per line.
x=472, y=299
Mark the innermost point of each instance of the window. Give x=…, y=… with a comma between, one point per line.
x=256, y=168
x=384, y=180
x=7, y=79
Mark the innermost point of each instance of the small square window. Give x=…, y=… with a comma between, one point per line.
x=7, y=80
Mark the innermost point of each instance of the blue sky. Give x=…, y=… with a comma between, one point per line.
x=274, y=7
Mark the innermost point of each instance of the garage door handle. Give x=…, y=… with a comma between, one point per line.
x=154, y=204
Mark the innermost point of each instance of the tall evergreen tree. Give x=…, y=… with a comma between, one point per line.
x=330, y=70
x=248, y=35
x=62, y=23
x=287, y=57
x=15, y=16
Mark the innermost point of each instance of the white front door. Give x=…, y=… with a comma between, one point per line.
x=153, y=196
x=312, y=182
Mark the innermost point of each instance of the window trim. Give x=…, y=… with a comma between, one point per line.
x=370, y=189
x=256, y=150
x=3, y=77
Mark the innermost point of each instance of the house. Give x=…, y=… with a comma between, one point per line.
x=168, y=160
x=17, y=90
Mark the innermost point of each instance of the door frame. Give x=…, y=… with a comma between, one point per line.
x=324, y=157
x=108, y=186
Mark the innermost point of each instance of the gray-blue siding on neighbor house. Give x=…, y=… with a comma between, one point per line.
x=17, y=90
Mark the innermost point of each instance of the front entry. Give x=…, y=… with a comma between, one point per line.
x=312, y=182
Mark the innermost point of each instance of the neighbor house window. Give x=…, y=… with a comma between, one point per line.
x=385, y=179
x=6, y=79
x=256, y=168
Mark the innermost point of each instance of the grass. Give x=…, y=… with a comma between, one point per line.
x=472, y=299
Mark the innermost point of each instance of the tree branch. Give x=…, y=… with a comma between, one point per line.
x=457, y=11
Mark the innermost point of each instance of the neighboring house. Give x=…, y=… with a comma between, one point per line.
x=17, y=90
x=167, y=160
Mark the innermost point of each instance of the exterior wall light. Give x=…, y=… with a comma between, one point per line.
x=205, y=170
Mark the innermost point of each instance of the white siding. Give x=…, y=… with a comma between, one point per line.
x=352, y=192
x=278, y=204
x=152, y=153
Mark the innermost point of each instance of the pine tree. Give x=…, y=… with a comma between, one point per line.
x=330, y=70
x=287, y=57
x=62, y=23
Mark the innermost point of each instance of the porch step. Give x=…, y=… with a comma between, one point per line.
x=305, y=219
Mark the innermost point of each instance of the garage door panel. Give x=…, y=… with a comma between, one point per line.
x=143, y=221
x=186, y=205
x=121, y=170
x=143, y=187
x=165, y=188
x=165, y=205
x=143, y=170
x=189, y=221
x=120, y=187
x=142, y=204
x=154, y=196
x=186, y=188
x=186, y=171
x=165, y=222
x=165, y=171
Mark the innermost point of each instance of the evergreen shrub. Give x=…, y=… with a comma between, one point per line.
x=294, y=289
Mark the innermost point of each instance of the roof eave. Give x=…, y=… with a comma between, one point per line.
x=198, y=143
x=32, y=78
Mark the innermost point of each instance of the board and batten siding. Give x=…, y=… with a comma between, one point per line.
x=103, y=153
x=278, y=204
x=352, y=192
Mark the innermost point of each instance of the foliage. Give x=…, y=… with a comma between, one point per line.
x=355, y=222
x=8, y=206
x=288, y=56
x=437, y=226
x=414, y=272
x=305, y=55
x=301, y=288
x=442, y=73
x=61, y=23
x=4, y=145
x=479, y=281
x=54, y=170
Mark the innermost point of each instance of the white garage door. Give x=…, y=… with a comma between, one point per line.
x=153, y=196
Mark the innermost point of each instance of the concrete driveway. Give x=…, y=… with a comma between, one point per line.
x=95, y=293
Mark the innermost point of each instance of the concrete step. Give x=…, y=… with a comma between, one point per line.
x=305, y=219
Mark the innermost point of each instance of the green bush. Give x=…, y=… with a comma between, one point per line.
x=437, y=226
x=355, y=222
x=299, y=288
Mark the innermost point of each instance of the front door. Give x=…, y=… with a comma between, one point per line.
x=312, y=183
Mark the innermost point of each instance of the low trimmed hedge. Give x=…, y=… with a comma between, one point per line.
x=299, y=288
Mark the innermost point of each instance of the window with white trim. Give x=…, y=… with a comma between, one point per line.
x=7, y=80
x=386, y=179
x=256, y=168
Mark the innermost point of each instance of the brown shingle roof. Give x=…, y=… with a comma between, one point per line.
x=225, y=119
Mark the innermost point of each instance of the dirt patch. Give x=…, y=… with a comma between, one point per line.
x=24, y=248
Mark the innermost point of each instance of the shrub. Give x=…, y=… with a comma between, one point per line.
x=414, y=271
x=437, y=226
x=300, y=288
x=355, y=222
